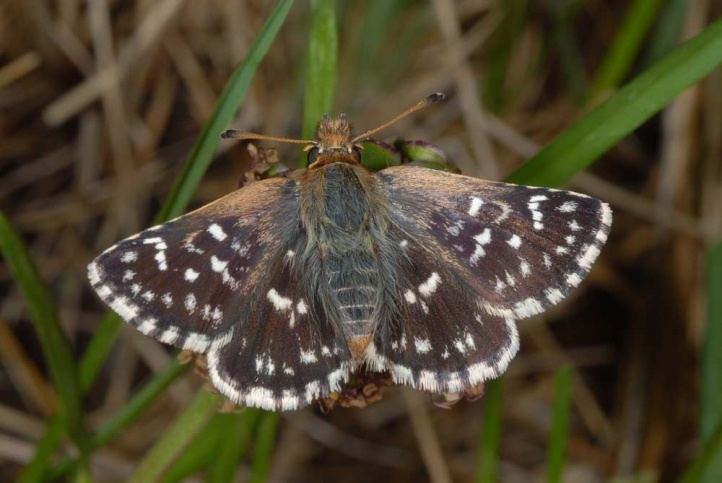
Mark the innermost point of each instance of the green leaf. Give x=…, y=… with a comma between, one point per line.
x=582, y=143
x=488, y=453
x=43, y=314
x=558, y=436
x=176, y=438
x=711, y=394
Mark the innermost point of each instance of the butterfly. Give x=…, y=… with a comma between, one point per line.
x=290, y=284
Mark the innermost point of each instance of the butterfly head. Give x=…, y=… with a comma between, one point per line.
x=333, y=143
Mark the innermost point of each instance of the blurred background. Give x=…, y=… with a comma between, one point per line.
x=101, y=102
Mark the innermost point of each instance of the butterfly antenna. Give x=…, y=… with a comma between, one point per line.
x=233, y=134
x=426, y=101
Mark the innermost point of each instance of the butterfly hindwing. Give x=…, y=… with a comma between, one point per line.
x=186, y=281
x=283, y=356
x=444, y=341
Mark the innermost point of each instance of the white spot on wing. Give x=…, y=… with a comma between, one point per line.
x=410, y=297
x=475, y=206
x=422, y=345
x=190, y=302
x=514, y=241
x=553, y=295
x=217, y=232
x=586, y=259
x=308, y=357
x=528, y=307
x=124, y=307
x=169, y=336
x=160, y=258
x=129, y=257
x=430, y=285
x=524, y=268
x=191, y=275
x=567, y=207
x=217, y=264
x=573, y=279
x=279, y=302
x=148, y=325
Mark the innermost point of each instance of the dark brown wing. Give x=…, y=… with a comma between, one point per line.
x=220, y=280
x=480, y=255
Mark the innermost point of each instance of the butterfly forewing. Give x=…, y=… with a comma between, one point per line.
x=521, y=249
x=186, y=281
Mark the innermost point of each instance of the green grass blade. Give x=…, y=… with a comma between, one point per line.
x=501, y=45
x=558, y=435
x=263, y=451
x=582, y=143
x=711, y=397
x=140, y=401
x=196, y=164
x=232, y=446
x=129, y=413
x=321, y=65
x=228, y=102
x=98, y=348
x=44, y=450
x=563, y=15
x=320, y=87
x=667, y=31
x=706, y=458
x=43, y=314
x=486, y=471
x=183, y=187
x=176, y=438
x=370, y=34
x=201, y=451
x=626, y=45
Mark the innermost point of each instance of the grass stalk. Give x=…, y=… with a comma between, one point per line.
x=176, y=438
x=625, y=47
x=490, y=438
x=587, y=139
x=558, y=436
x=711, y=391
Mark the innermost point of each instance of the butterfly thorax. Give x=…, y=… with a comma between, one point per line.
x=343, y=221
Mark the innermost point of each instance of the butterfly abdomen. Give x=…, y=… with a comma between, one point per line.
x=341, y=216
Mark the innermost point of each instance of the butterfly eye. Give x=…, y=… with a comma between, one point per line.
x=312, y=155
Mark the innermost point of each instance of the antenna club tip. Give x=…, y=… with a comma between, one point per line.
x=228, y=134
x=436, y=97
